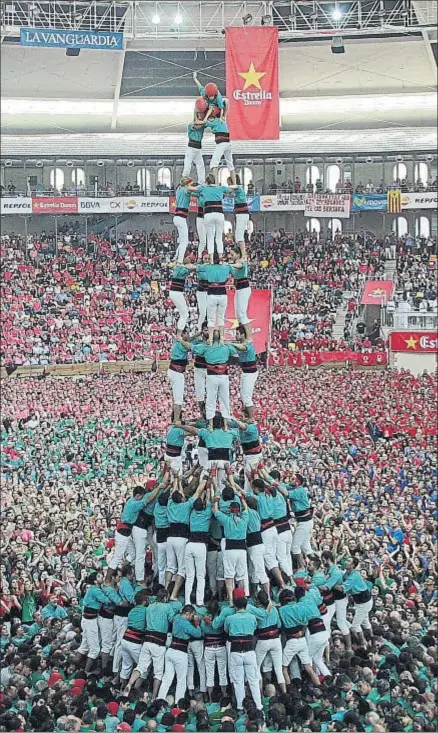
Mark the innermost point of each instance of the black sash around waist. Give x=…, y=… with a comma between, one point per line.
x=217, y=288
x=221, y=137
x=214, y=640
x=215, y=370
x=251, y=448
x=155, y=637
x=122, y=611
x=267, y=523
x=177, y=285
x=235, y=544
x=241, y=208
x=241, y=643
x=363, y=597
x=195, y=144
x=328, y=597
x=315, y=625
x=143, y=520
x=178, y=529
x=241, y=284
x=249, y=367
x=294, y=632
x=218, y=454
x=178, y=365
x=199, y=362
x=253, y=539
x=200, y=212
x=173, y=450
x=106, y=613
x=282, y=524
x=90, y=613
x=213, y=207
x=161, y=534
x=201, y=537
x=124, y=528
x=322, y=609
x=202, y=286
x=133, y=635
x=304, y=515
x=183, y=213
x=180, y=644
x=338, y=595
x=269, y=632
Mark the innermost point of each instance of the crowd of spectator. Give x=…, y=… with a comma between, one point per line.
x=295, y=185
x=80, y=300
x=72, y=451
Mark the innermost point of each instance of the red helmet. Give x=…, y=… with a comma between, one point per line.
x=201, y=105
x=211, y=89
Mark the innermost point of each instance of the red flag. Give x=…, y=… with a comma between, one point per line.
x=377, y=292
x=259, y=313
x=252, y=83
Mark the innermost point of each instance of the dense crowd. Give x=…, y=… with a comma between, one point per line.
x=99, y=300
x=361, y=445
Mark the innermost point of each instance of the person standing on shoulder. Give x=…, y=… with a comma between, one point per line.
x=241, y=212
x=242, y=292
x=182, y=204
x=195, y=134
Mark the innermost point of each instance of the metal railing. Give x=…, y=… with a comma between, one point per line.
x=419, y=321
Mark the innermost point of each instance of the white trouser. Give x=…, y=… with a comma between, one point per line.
x=107, y=635
x=90, y=644
x=177, y=381
x=341, y=616
x=175, y=463
x=250, y=462
x=215, y=569
x=273, y=648
x=243, y=666
x=200, y=376
x=175, y=555
x=180, y=303
x=203, y=457
x=216, y=309
x=218, y=389
x=202, y=237
x=241, y=302
x=284, y=545
x=247, y=384
x=235, y=564
x=331, y=612
x=256, y=563
x=214, y=231
x=194, y=155
x=175, y=664
x=296, y=648
x=317, y=644
x=301, y=538
x=222, y=150
x=270, y=539
x=201, y=298
x=161, y=561
x=195, y=562
x=150, y=537
x=393, y=251
x=130, y=657
x=241, y=224
x=213, y=656
x=123, y=545
x=361, y=619
x=183, y=237
x=120, y=626
x=151, y=654
x=139, y=538
x=196, y=654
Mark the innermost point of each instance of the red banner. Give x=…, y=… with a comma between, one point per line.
x=192, y=208
x=318, y=358
x=421, y=342
x=252, y=83
x=377, y=292
x=259, y=313
x=372, y=359
x=55, y=205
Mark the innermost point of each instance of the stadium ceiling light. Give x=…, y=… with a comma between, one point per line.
x=337, y=14
x=178, y=19
x=155, y=19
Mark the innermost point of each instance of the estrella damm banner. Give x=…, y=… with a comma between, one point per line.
x=394, y=201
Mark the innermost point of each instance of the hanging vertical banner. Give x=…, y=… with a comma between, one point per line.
x=252, y=83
